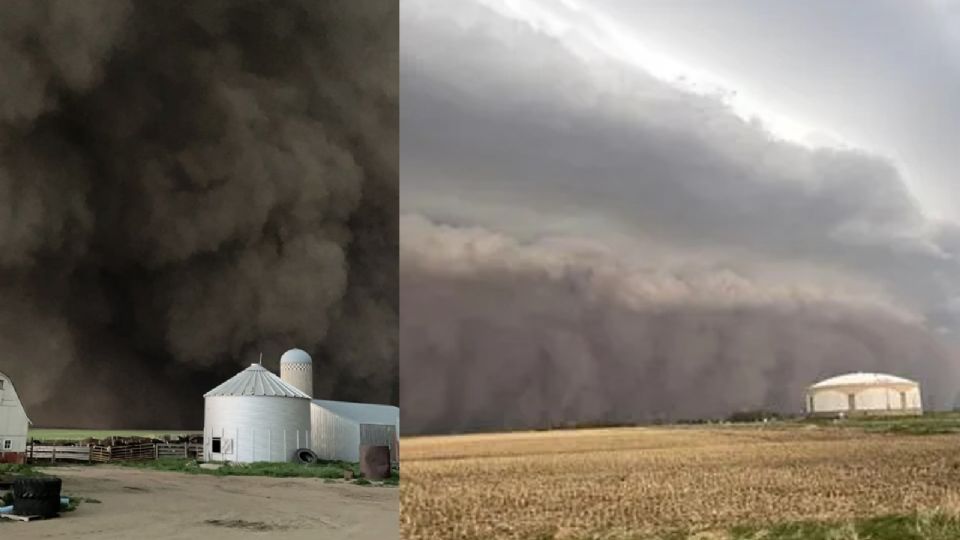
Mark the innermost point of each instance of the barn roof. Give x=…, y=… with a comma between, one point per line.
x=361, y=413
x=861, y=379
x=256, y=380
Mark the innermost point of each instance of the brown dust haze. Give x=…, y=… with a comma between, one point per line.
x=186, y=184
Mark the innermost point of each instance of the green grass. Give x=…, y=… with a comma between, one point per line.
x=394, y=479
x=920, y=526
x=57, y=434
x=14, y=469
x=933, y=423
x=326, y=469
x=289, y=470
x=930, y=423
x=934, y=525
x=73, y=504
x=330, y=469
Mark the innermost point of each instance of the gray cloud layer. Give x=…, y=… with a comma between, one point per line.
x=885, y=75
x=802, y=262
x=186, y=184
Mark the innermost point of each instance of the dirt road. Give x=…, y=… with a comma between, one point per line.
x=142, y=505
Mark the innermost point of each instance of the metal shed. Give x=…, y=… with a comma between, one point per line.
x=339, y=428
x=14, y=424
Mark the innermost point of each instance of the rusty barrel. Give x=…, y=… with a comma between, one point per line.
x=375, y=462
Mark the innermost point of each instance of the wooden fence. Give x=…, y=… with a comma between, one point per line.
x=184, y=450
x=107, y=453
x=59, y=453
x=126, y=452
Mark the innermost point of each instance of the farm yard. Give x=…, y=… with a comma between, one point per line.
x=155, y=484
x=131, y=502
x=875, y=479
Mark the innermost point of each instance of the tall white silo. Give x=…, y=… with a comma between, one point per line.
x=255, y=416
x=296, y=368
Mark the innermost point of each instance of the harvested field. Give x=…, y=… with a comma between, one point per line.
x=119, y=503
x=651, y=482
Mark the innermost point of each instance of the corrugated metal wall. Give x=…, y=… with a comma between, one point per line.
x=336, y=428
x=333, y=436
x=255, y=428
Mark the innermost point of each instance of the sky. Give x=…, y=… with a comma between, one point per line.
x=618, y=211
x=187, y=185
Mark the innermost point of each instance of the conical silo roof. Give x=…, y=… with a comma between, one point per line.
x=256, y=380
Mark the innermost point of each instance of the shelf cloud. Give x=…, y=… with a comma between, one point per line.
x=583, y=240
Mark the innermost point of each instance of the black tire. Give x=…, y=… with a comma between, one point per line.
x=47, y=507
x=43, y=487
x=306, y=456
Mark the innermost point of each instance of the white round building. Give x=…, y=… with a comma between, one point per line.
x=864, y=394
x=296, y=367
x=255, y=416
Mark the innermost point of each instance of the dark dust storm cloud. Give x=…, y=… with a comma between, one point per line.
x=186, y=184
x=503, y=335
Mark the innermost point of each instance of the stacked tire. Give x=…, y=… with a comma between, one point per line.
x=36, y=496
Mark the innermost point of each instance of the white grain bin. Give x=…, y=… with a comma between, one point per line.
x=255, y=416
x=340, y=427
x=864, y=394
x=296, y=368
x=14, y=424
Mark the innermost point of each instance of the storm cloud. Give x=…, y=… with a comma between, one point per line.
x=586, y=241
x=184, y=185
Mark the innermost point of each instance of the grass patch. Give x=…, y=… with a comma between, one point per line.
x=327, y=470
x=323, y=469
x=166, y=464
x=394, y=479
x=931, y=423
x=919, y=426
x=918, y=526
x=14, y=469
x=73, y=504
x=331, y=469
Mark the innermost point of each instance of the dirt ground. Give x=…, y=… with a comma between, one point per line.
x=145, y=504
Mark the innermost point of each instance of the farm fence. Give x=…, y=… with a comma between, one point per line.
x=97, y=453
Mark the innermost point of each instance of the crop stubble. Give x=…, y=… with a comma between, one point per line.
x=636, y=482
